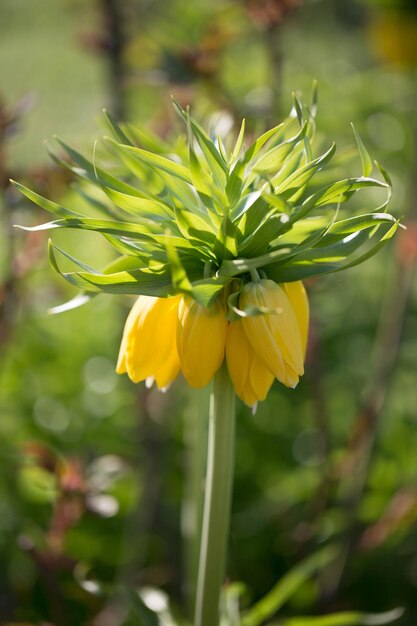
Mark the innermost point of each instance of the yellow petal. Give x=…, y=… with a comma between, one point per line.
x=250, y=376
x=237, y=356
x=148, y=349
x=167, y=363
x=289, y=378
x=299, y=301
x=130, y=327
x=140, y=348
x=201, y=338
x=260, y=377
x=284, y=325
x=275, y=337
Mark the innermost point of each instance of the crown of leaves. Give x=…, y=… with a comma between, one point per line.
x=194, y=217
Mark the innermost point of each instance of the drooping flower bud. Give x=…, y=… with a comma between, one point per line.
x=201, y=338
x=275, y=335
x=297, y=296
x=148, y=350
x=250, y=376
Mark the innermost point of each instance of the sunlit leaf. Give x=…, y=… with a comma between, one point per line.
x=345, y=618
x=367, y=165
x=287, y=586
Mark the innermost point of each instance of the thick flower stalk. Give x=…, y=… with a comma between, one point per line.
x=215, y=238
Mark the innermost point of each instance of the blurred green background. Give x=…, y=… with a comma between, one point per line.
x=95, y=480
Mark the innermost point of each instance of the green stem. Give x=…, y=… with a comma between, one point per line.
x=217, y=500
x=196, y=427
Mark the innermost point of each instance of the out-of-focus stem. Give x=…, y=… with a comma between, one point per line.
x=192, y=508
x=113, y=16
x=7, y=278
x=217, y=501
x=273, y=37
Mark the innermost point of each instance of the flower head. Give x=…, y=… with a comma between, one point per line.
x=201, y=338
x=215, y=241
x=148, y=350
x=164, y=335
x=275, y=335
x=250, y=376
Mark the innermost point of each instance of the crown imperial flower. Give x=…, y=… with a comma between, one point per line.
x=250, y=376
x=275, y=336
x=201, y=339
x=216, y=242
x=148, y=350
x=165, y=335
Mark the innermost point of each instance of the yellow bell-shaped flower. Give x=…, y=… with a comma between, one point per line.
x=279, y=335
x=250, y=376
x=148, y=350
x=201, y=339
x=297, y=296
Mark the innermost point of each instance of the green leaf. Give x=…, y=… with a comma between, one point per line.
x=225, y=245
x=231, y=596
x=298, y=108
x=235, y=267
x=215, y=161
x=135, y=205
x=290, y=165
x=103, y=205
x=235, y=154
x=287, y=586
x=74, y=303
x=48, y=205
x=244, y=205
x=259, y=240
x=174, y=184
x=154, y=160
x=314, y=99
x=125, y=229
x=89, y=171
x=330, y=261
x=272, y=161
x=206, y=291
x=235, y=183
x=358, y=223
x=147, y=139
x=117, y=131
x=52, y=259
x=301, y=176
x=180, y=281
x=367, y=165
x=141, y=611
x=337, y=192
x=253, y=150
x=345, y=618
x=132, y=281
x=194, y=228
x=199, y=176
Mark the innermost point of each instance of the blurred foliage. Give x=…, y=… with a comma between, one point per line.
x=92, y=468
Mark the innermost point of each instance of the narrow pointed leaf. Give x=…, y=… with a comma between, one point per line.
x=155, y=160
x=345, y=618
x=303, y=174
x=44, y=203
x=236, y=150
x=86, y=169
x=287, y=586
x=118, y=132
x=367, y=165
